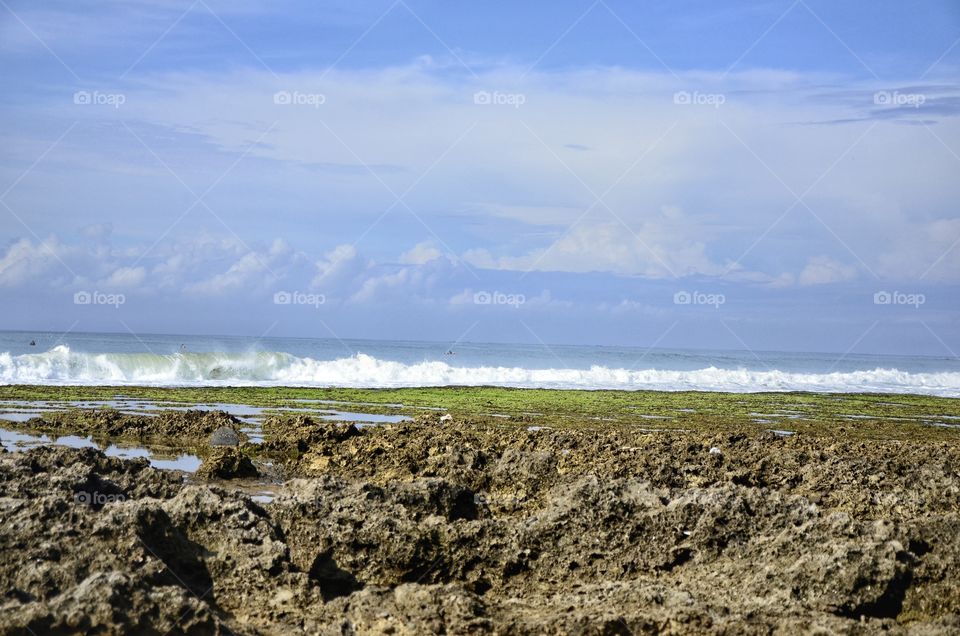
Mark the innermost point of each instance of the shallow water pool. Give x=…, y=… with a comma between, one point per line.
x=14, y=441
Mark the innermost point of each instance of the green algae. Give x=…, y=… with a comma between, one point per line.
x=859, y=415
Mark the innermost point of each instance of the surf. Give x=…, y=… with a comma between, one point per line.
x=61, y=365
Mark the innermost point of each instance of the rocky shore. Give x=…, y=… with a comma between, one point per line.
x=469, y=527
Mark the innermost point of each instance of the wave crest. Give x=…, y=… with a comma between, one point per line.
x=60, y=365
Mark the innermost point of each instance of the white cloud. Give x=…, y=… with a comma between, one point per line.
x=407, y=282
x=661, y=246
x=252, y=271
x=97, y=231
x=26, y=262
x=420, y=253
x=125, y=277
x=821, y=270
x=516, y=171
x=340, y=268
x=400, y=283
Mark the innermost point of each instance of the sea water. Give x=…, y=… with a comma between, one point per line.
x=176, y=360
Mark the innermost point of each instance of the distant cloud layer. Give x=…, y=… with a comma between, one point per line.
x=218, y=165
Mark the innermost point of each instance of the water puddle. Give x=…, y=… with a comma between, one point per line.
x=254, y=434
x=317, y=401
x=14, y=442
x=22, y=410
x=342, y=416
x=940, y=424
x=790, y=415
x=369, y=418
x=782, y=433
x=851, y=416
x=20, y=416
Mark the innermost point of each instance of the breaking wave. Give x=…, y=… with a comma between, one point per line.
x=60, y=365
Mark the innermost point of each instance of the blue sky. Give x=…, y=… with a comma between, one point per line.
x=402, y=161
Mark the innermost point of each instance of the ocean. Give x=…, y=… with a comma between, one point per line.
x=176, y=360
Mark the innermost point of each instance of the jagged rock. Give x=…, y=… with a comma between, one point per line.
x=227, y=462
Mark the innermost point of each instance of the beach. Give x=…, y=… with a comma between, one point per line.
x=407, y=317
x=477, y=510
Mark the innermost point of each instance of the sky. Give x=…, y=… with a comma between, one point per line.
x=776, y=175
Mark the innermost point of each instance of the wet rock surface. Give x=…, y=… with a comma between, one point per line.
x=179, y=427
x=479, y=528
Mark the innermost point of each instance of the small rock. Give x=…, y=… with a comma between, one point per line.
x=446, y=418
x=225, y=436
x=714, y=450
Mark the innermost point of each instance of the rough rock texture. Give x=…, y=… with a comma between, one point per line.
x=292, y=436
x=226, y=462
x=225, y=436
x=179, y=426
x=472, y=529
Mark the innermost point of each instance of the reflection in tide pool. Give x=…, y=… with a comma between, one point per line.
x=22, y=411
x=13, y=442
x=251, y=416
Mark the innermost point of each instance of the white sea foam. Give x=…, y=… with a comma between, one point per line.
x=60, y=365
